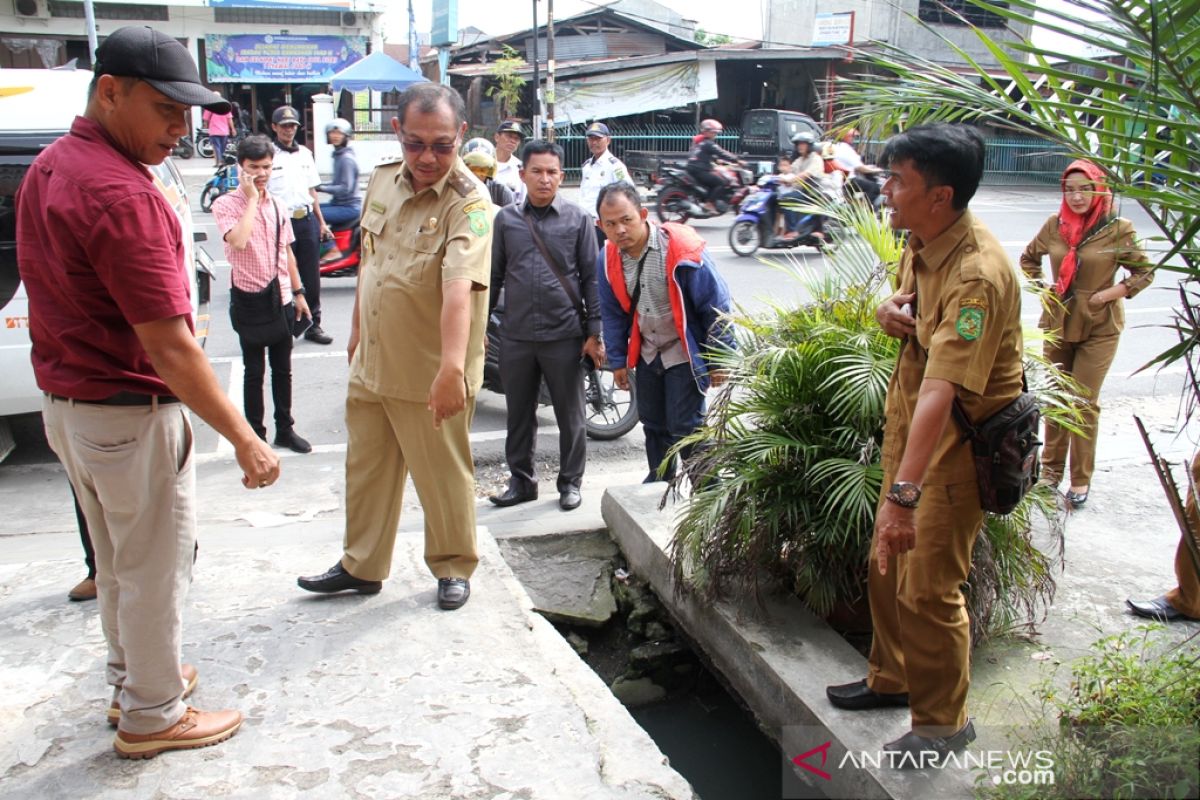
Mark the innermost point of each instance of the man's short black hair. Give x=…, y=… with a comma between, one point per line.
x=618, y=189
x=943, y=154
x=538, y=146
x=255, y=148
x=427, y=97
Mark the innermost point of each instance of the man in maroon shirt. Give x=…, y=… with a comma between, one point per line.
x=101, y=253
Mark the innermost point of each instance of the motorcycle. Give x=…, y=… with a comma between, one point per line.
x=754, y=227
x=610, y=413
x=225, y=179
x=205, y=148
x=342, y=257
x=681, y=198
x=184, y=148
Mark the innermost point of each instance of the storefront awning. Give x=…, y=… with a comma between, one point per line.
x=634, y=91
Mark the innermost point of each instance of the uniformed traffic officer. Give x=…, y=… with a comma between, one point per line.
x=508, y=138
x=416, y=352
x=601, y=169
x=958, y=313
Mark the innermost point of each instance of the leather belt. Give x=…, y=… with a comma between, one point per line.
x=120, y=399
x=301, y=213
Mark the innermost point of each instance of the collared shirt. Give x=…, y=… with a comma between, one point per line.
x=846, y=157
x=265, y=256
x=968, y=315
x=218, y=124
x=536, y=306
x=413, y=242
x=100, y=250
x=656, y=321
x=598, y=172
x=292, y=176
x=509, y=174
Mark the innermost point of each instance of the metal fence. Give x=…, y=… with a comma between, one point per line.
x=1008, y=160
x=665, y=138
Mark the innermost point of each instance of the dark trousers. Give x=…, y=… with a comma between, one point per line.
x=670, y=406
x=868, y=186
x=85, y=537
x=254, y=358
x=709, y=179
x=523, y=365
x=307, y=249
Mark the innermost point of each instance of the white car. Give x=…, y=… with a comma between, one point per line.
x=37, y=106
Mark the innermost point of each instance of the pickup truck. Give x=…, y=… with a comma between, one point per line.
x=766, y=132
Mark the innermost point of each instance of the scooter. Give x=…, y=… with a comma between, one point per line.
x=225, y=179
x=610, y=413
x=754, y=227
x=342, y=258
x=681, y=198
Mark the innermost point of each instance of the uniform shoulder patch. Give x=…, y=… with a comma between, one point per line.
x=460, y=183
x=390, y=161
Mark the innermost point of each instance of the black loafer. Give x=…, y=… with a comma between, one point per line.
x=453, y=593
x=858, y=696
x=288, y=438
x=318, y=335
x=569, y=500
x=1076, y=500
x=917, y=752
x=1158, y=609
x=512, y=496
x=338, y=580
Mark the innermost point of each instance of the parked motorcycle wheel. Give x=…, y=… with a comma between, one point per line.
x=745, y=237
x=207, y=197
x=184, y=149
x=204, y=145
x=610, y=413
x=673, y=203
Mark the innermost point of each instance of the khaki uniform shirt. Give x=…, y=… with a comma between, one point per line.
x=411, y=244
x=968, y=314
x=1097, y=259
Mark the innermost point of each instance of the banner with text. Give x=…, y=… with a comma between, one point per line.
x=278, y=58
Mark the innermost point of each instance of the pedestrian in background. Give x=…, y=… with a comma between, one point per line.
x=599, y=170
x=416, y=353
x=544, y=259
x=1085, y=315
x=294, y=182
x=480, y=157
x=256, y=232
x=220, y=128
x=662, y=301
x=101, y=254
x=508, y=138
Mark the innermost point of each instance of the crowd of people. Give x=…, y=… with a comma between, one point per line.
x=440, y=248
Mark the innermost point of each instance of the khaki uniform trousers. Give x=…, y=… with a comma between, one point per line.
x=1087, y=362
x=131, y=468
x=1185, y=597
x=389, y=439
x=922, y=642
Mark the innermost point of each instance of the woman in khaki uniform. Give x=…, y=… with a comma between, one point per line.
x=1086, y=245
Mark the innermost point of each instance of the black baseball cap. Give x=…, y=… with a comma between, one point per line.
x=285, y=115
x=509, y=126
x=139, y=51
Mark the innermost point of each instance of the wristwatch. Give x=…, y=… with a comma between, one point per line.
x=904, y=493
x=298, y=291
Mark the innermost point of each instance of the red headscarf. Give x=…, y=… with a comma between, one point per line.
x=1073, y=227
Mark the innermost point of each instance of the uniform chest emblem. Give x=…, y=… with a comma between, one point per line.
x=970, y=323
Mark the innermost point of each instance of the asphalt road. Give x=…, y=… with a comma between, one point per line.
x=320, y=372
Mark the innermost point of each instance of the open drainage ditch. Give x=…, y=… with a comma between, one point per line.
x=580, y=583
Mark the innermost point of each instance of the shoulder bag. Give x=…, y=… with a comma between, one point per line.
x=258, y=317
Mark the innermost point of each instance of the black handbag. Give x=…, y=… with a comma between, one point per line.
x=259, y=317
x=1005, y=447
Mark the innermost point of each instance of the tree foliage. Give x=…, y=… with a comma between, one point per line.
x=509, y=84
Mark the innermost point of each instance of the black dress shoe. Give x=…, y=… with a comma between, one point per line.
x=569, y=500
x=1076, y=500
x=338, y=580
x=453, y=593
x=918, y=752
x=512, y=496
x=286, y=437
x=1158, y=609
x=858, y=696
x=316, y=334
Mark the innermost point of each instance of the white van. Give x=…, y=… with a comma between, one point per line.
x=37, y=106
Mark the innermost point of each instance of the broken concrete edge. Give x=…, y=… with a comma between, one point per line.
x=778, y=658
x=629, y=759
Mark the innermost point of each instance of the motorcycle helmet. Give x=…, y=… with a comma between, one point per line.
x=710, y=126
x=827, y=151
x=480, y=157
x=804, y=136
x=339, y=124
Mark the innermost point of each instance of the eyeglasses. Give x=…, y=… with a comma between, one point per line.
x=417, y=148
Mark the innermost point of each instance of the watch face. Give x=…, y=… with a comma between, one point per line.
x=907, y=492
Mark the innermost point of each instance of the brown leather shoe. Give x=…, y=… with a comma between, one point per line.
x=190, y=675
x=84, y=590
x=194, y=729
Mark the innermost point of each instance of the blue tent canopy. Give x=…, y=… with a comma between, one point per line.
x=378, y=71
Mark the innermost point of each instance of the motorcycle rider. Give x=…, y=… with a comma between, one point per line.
x=346, y=205
x=807, y=171
x=480, y=157
x=861, y=175
x=700, y=163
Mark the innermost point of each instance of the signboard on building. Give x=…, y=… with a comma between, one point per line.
x=307, y=5
x=445, y=23
x=278, y=58
x=833, y=29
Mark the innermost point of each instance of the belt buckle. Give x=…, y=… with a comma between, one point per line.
x=300, y=213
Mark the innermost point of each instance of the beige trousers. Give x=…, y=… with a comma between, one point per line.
x=1185, y=597
x=131, y=468
x=1087, y=362
x=388, y=440
x=922, y=641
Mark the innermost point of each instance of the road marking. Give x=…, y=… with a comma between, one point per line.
x=295, y=355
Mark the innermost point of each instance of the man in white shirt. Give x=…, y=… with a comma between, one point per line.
x=599, y=171
x=294, y=179
x=508, y=167
x=860, y=174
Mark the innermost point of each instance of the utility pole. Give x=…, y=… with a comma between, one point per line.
x=414, y=56
x=89, y=22
x=550, y=70
x=537, y=106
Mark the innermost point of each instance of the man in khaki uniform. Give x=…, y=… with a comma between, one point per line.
x=416, y=353
x=958, y=312
x=1182, y=602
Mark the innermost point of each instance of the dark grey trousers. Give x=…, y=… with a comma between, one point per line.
x=522, y=367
